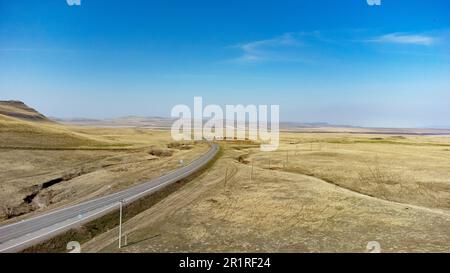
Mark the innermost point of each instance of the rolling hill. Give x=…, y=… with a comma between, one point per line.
x=20, y=110
x=24, y=127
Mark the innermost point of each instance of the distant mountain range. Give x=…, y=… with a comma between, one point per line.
x=128, y=121
x=20, y=110
x=165, y=122
x=316, y=127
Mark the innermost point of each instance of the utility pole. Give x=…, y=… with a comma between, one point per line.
x=120, y=224
x=251, y=174
x=287, y=158
x=226, y=174
x=270, y=158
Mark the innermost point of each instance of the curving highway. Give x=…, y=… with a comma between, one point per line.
x=18, y=236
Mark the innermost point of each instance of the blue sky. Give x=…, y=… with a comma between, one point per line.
x=342, y=62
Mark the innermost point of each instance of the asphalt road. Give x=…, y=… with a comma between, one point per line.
x=18, y=236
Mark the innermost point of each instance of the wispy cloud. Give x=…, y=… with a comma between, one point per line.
x=402, y=38
x=322, y=47
x=265, y=50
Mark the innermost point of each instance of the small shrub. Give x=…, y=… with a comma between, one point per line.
x=179, y=146
x=160, y=152
x=243, y=159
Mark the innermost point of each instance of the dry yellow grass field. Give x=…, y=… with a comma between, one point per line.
x=46, y=164
x=406, y=169
x=317, y=193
